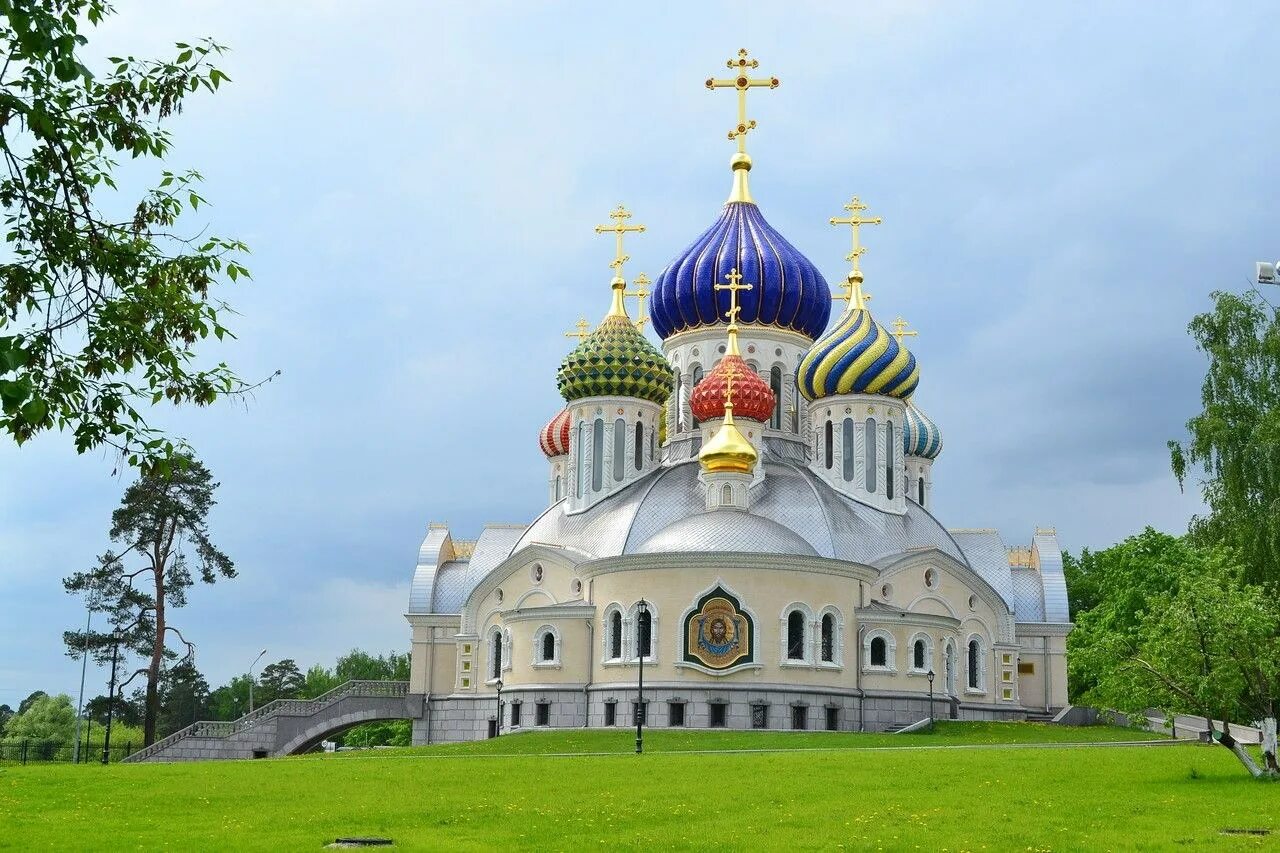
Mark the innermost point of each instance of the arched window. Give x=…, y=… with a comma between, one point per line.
x=775, y=382
x=828, y=638
x=559, y=488
x=888, y=460
x=917, y=655
x=639, y=448
x=975, y=664
x=495, y=653
x=619, y=450
x=848, y=449
x=615, y=635
x=795, y=635
x=726, y=495
x=920, y=488
x=582, y=458
x=548, y=647
x=694, y=378
x=644, y=634
x=653, y=443
x=871, y=444
x=827, y=446
x=679, y=398
x=879, y=652
x=597, y=456
x=795, y=407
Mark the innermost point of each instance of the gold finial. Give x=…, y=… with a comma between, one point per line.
x=853, y=282
x=900, y=330
x=641, y=293
x=728, y=449
x=618, y=229
x=583, y=330
x=741, y=162
x=735, y=284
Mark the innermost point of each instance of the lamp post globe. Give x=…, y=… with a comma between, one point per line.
x=930, y=677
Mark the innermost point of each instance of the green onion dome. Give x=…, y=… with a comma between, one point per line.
x=616, y=360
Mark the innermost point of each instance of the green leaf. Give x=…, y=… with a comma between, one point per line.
x=34, y=411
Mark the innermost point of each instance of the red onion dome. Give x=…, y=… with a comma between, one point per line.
x=752, y=396
x=554, y=438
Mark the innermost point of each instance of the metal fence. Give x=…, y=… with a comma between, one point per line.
x=57, y=752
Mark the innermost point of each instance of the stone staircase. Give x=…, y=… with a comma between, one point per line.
x=285, y=726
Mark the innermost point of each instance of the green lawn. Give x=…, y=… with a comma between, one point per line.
x=834, y=791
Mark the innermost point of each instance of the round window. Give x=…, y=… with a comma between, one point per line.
x=535, y=572
x=930, y=578
x=886, y=591
x=577, y=586
x=498, y=595
x=973, y=602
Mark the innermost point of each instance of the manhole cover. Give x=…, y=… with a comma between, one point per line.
x=360, y=842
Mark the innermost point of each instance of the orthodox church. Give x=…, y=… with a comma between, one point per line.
x=739, y=530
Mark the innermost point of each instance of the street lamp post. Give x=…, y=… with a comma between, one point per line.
x=251, y=666
x=930, y=676
x=498, y=729
x=643, y=643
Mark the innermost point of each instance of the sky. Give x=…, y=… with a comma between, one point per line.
x=1062, y=187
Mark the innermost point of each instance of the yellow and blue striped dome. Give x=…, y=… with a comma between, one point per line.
x=920, y=435
x=858, y=357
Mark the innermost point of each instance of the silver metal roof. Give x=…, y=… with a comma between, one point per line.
x=1028, y=595
x=442, y=587
x=1052, y=577
x=989, y=557
x=727, y=530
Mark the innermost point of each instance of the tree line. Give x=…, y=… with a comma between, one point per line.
x=1190, y=624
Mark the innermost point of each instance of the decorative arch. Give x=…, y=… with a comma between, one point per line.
x=975, y=664
x=830, y=648
x=795, y=633
x=520, y=602
x=546, y=638
x=870, y=652
x=920, y=653
x=933, y=596
x=614, y=636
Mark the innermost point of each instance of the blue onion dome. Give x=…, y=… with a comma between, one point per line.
x=787, y=290
x=920, y=435
x=857, y=357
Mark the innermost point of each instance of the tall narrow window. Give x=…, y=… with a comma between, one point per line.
x=879, y=652
x=694, y=378
x=619, y=450
x=795, y=635
x=644, y=634
x=869, y=442
x=615, y=635
x=920, y=488
x=559, y=488
x=597, y=456
x=847, y=438
x=888, y=460
x=582, y=458
x=828, y=637
x=639, y=448
x=775, y=383
x=653, y=443
x=974, y=659
x=548, y=647
x=917, y=655
x=679, y=398
x=827, y=452
x=496, y=645
x=795, y=407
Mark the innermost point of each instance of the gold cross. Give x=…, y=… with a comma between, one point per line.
x=855, y=222
x=729, y=373
x=582, y=334
x=619, y=228
x=853, y=292
x=900, y=330
x=735, y=284
x=741, y=82
x=640, y=293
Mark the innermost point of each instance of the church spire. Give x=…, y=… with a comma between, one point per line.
x=740, y=163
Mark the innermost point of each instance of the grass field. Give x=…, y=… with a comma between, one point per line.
x=811, y=791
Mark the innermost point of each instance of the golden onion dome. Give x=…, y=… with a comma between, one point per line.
x=728, y=449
